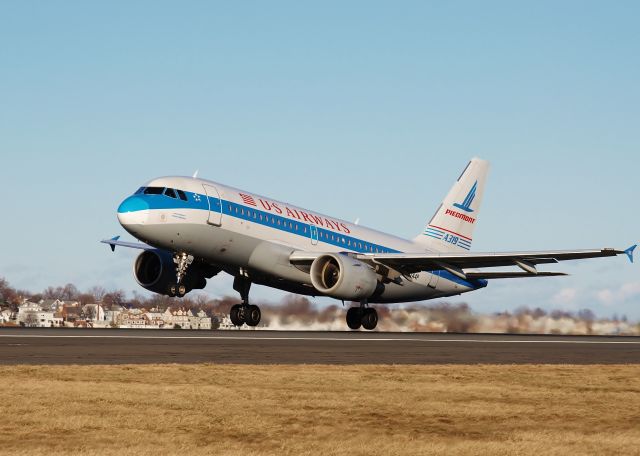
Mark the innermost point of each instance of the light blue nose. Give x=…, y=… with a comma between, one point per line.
x=133, y=204
x=133, y=211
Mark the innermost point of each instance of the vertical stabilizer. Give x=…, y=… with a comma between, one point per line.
x=451, y=227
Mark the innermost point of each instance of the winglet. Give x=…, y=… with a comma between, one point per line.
x=629, y=252
x=113, y=246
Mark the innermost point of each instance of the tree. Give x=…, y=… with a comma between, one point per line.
x=97, y=292
x=69, y=292
x=114, y=298
x=89, y=312
x=31, y=319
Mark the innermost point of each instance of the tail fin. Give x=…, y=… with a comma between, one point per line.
x=451, y=227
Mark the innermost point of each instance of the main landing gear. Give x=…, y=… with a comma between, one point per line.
x=182, y=261
x=364, y=316
x=245, y=312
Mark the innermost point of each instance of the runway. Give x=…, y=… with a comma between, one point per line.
x=124, y=346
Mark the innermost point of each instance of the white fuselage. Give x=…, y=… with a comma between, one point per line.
x=234, y=230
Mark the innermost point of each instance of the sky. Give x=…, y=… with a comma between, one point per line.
x=364, y=110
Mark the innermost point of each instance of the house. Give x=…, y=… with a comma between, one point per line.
x=178, y=319
x=28, y=314
x=31, y=314
x=7, y=317
x=155, y=318
x=111, y=314
x=51, y=304
x=93, y=312
x=71, y=313
x=200, y=321
x=131, y=319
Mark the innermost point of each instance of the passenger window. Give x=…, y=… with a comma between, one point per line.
x=153, y=190
x=170, y=193
x=182, y=195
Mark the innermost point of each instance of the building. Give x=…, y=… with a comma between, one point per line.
x=200, y=321
x=7, y=317
x=93, y=312
x=186, y=319
x=132, y=318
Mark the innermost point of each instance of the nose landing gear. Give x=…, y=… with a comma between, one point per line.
x=182, y=261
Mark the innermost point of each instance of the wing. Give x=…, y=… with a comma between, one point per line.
x=459, y=263
x=113, y=242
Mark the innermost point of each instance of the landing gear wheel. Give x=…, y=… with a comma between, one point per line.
x=369, y=318
x=252, y=315
x=181, y=291
x=172, y=290
x=236, y=315
x=353, y=318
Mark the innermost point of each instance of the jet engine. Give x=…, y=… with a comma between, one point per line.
x=343, y=277
x=155, y=271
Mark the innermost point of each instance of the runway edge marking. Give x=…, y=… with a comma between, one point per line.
x=330, y=339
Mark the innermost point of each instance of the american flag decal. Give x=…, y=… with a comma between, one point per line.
x=247, y=199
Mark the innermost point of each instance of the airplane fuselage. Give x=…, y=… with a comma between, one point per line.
x=242, y=231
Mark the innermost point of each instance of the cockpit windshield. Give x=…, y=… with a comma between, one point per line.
x=170, y=192
x=153, y=190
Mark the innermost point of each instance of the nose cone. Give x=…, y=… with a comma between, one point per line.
x=133, y=211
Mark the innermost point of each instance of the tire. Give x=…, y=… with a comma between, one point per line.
x=172, y=288
x=370, y=319
x=354, y=320
x=236, y=315
x=181, y=291
x=252, y=315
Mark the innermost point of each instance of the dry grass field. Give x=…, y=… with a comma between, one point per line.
x=327, y=410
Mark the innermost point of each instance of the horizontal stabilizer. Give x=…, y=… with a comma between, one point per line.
x=510, y=274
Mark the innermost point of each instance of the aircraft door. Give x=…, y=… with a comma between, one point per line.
x=215, y=205
x=314, y=234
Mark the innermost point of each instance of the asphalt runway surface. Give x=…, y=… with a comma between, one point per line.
x=124, y=346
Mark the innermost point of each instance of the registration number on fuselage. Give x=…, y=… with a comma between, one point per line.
x=451, y=239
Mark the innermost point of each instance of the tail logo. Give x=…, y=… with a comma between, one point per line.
x=466, y=204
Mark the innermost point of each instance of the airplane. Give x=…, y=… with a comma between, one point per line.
x=192, y=229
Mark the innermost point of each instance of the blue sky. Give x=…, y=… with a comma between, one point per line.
x=356, y=109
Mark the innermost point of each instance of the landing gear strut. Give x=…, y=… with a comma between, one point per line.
x=182, y=261
x=245, y=312
x=364, y=316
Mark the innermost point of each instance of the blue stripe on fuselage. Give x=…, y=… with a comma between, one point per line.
x=240, y=211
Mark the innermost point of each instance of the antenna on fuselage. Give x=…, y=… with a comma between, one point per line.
x=357, y=221
x=195, y=175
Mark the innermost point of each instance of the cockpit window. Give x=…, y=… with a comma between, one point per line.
x=140, y=190
x=170, y=193
x=153, y=190
x=182, y=195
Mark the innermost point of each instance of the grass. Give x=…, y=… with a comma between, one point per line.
x=329, y=410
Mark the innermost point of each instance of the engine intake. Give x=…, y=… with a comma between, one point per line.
x=155, y=270
x=343, y=277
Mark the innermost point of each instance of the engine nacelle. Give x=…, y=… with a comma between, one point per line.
x=155, y=270
x=343, y=277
